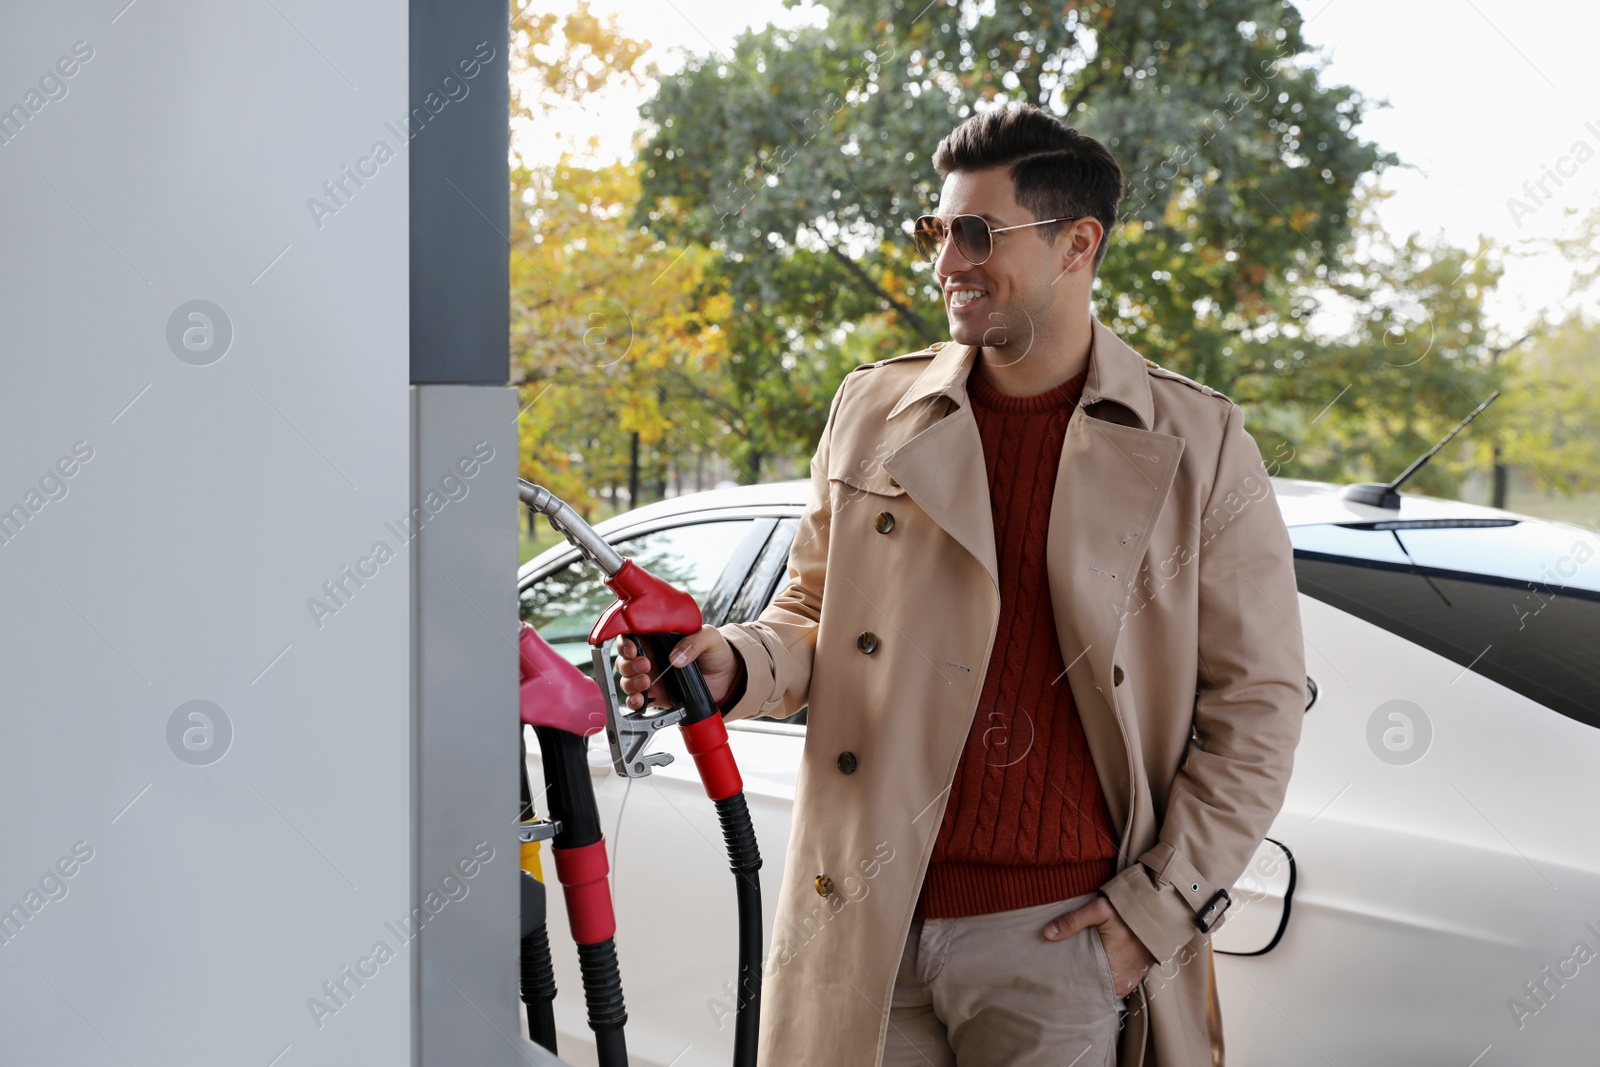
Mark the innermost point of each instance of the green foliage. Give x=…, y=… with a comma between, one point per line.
x=565, y=57
x=613, y=334
x=1552, y=423
x=759, y=247
x=804, y=154
x=1362, y=400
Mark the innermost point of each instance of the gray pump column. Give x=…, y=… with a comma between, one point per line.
x=258, y=736
x=463, y=601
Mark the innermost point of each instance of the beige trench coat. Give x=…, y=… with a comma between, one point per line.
x=1172, y=581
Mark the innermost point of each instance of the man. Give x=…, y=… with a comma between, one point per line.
x=988, y=866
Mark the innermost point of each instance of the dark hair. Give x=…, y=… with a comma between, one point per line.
x=1057, y=170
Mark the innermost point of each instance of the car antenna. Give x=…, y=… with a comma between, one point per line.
x=1387, y=494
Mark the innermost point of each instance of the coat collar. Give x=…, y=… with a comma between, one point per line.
x=1116, y=372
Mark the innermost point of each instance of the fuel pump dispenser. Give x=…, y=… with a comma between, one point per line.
x=564, y=708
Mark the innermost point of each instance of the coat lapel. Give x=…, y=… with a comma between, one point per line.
x=1110, y=489
x=942, y=467
x=1113, y=481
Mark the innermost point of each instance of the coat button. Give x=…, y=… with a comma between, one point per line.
x=894, y=483
x=824, y=885
x=883, y=523
x=847, y=762
x=1116, y=674
x=867, y=642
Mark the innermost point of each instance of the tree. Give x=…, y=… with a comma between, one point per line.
x=613, y=335
x=1384, y=355
x=1581, y=247
x=559, y=59
x=1553, y=432
x=803, y=155
x=615, y=339
x=1553, y=427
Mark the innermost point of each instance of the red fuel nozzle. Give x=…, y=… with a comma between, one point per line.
x=649, y=609
x=554, y=692
x=645, y=605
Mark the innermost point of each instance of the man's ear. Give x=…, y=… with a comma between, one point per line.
x=1082, y=244
x=1074, y=259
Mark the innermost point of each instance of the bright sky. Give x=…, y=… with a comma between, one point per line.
x=1484, y=98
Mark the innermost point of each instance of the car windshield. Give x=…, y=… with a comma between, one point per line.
x=1517, y=601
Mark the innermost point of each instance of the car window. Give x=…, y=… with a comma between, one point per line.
x=1518, y=603
x=765, y=573
x=564, y=604
x=766, y=576
x=720, y=602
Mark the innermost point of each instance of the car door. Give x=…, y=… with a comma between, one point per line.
x=674, y=895
x=1446, y=907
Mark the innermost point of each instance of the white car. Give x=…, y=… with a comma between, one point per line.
x=1429, y=894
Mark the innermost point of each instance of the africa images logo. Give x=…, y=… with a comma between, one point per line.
x=342, y=188
x=453, y=887
x=343, y=586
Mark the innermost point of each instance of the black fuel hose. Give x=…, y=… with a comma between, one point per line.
x=707, y=740
x=538, y=976
x=745, y=860
x=579, y=844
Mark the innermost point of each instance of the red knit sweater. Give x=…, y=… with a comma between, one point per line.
x=1026, y=822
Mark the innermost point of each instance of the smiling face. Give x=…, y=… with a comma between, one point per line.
x=1019, y=295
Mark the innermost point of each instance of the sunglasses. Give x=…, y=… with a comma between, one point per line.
x=973, y=235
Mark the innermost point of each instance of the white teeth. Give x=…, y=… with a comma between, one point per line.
x=965, y=296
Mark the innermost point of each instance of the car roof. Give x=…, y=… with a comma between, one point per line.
x=1302, y=503
x=1306, y=502
x=770, y=496
x=793, y=493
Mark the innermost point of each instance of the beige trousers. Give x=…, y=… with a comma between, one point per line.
x=990, y=990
